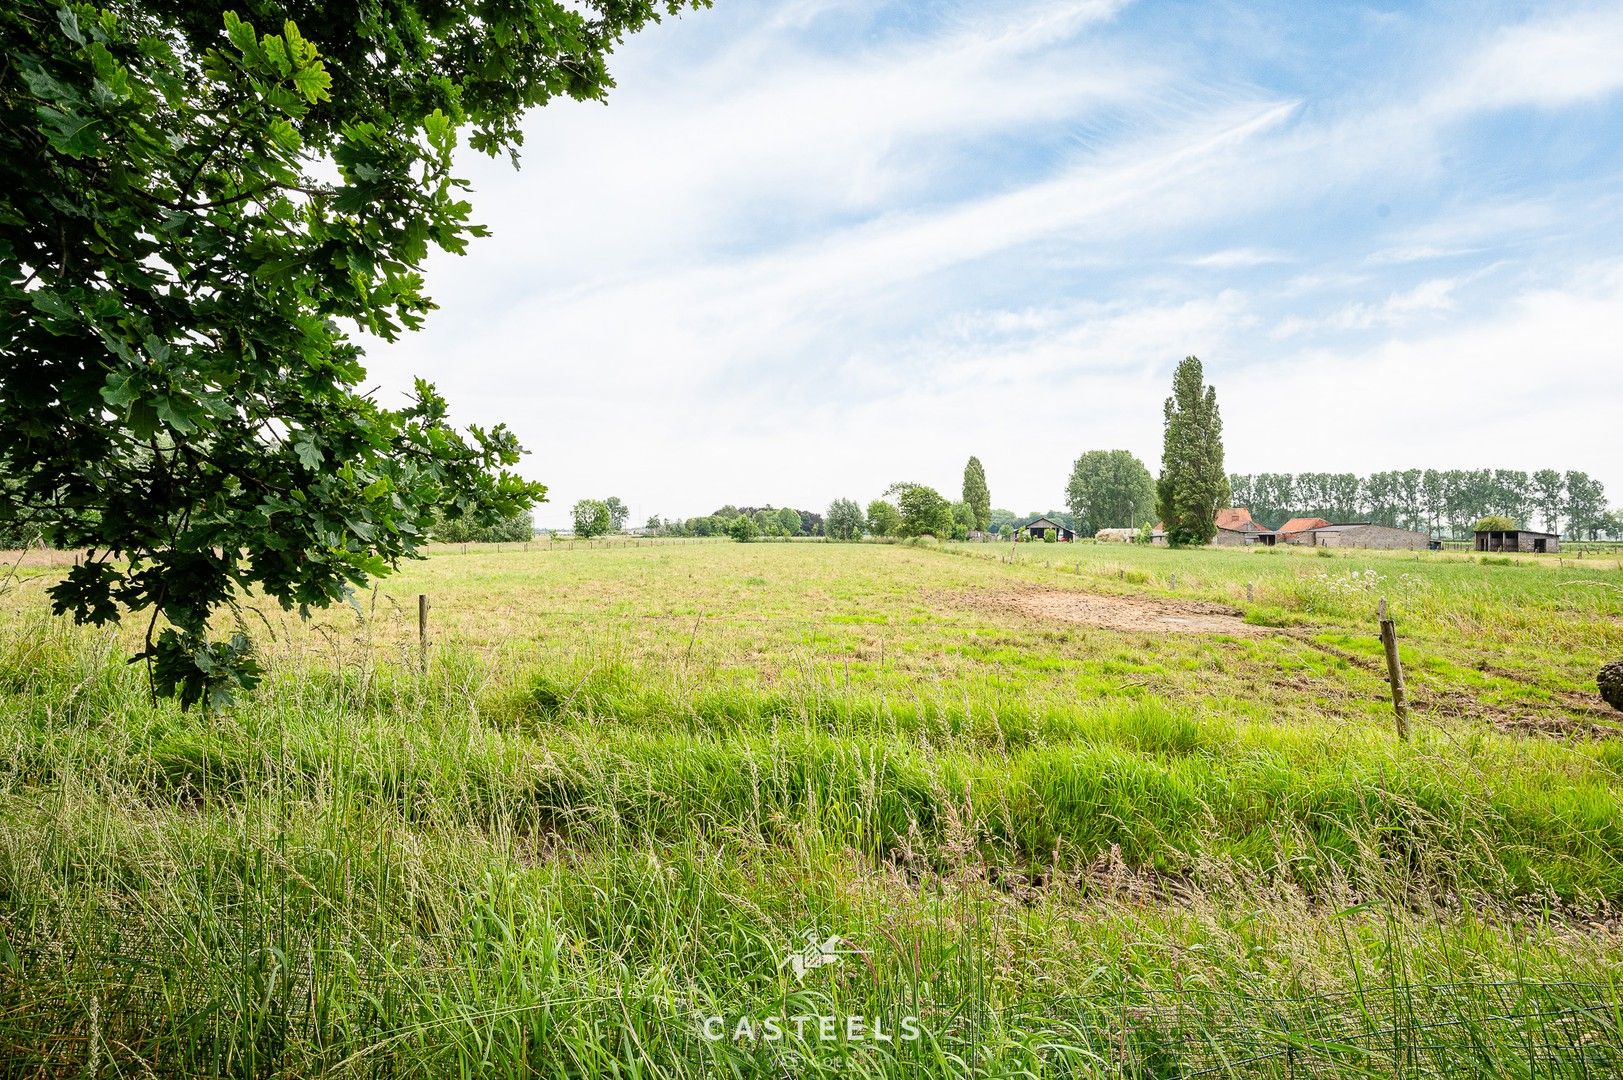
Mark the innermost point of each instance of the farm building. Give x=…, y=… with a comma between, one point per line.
x=1524, y=540
x=1297, y=525
x=1361, y=534
x=1034, y=530
x=1116, y=536
x=1235, y=527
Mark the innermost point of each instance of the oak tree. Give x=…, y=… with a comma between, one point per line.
x=197, y=212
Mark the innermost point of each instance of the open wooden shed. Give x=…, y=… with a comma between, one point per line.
x=1034, y=530
x=1525, y=541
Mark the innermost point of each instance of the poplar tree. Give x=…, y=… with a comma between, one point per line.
x=977, y=496
x=1193, y=484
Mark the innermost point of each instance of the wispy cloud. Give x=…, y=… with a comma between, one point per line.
x=1546, y=62
x=1236, y=258
x=904, y=233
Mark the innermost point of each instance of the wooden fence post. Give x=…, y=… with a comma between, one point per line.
x=1394, y=671
x=1250, y=593
x=422, y=631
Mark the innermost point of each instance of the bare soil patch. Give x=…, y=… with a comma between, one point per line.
x=1128, y=614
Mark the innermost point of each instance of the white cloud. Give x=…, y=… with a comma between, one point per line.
x=1432, y=297
x=800, y=255
x=1546, y=64
x=1528, y=386
x=1235, y=258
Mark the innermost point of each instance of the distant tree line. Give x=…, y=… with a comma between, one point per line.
x=766, y=521
x=908, y=510
x=1440, y=500
x=466, y=530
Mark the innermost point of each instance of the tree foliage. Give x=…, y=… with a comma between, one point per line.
x=1109, y=489
x=743, y=529
x=1192, y=485
x=1434, y=500
x=843, y=520
x=592, y=517
x=466, y=530
x=977, y=496
x=195, y=208
x=619, y=513
x=883, y=518
x=923, y=511
x=1493, y=523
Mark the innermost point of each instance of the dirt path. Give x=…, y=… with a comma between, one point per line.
x=1128, y=614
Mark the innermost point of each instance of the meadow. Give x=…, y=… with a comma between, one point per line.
x=1069, y=810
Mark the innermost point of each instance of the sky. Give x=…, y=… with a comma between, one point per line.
x=809, y=248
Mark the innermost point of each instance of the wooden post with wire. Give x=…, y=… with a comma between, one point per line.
x=422, y=631
x=1394, y=671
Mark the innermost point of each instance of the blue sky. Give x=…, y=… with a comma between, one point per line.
x=811, y=247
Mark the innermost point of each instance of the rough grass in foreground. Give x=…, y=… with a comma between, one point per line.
x=632, y=777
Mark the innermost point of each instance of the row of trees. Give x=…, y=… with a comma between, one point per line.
x=909, y=509
x=469, y=530
x=1439, y=500
x=782, y=521
x=1109, y=488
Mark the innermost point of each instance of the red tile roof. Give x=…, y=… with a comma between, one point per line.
x=1237, y=519
x=1302, y=524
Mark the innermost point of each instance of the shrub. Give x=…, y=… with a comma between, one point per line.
x=743, y=529
x=1494, y=523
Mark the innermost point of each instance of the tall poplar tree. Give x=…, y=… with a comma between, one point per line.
x=977, y=496
x=1193, y=484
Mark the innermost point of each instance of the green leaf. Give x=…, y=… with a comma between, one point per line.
x=178, y=413
x=71, y=134
x=69, y=21
x=241, y=34
x=120, y=389
x=313, y=82
x=308, y=453
x=441, y=136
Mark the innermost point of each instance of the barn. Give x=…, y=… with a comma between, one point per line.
x=1298, y=525
x=1035, y=530
x=1522, y=540
x=1361, y=534
x=1235, y=528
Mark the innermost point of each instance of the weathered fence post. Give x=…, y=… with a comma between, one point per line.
x=1174, y=582
x=422, y=631
x=1394, y=671
x=1250, y=593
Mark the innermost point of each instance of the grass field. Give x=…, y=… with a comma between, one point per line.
x=1073, y=811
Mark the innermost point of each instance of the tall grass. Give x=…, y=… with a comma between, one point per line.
x=558, y=854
